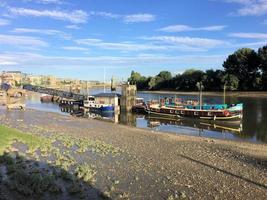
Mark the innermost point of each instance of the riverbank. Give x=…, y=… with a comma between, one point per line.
x=205, y=93
x=131, y=163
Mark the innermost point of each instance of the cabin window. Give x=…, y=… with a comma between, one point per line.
x=209, y=114
x=182, y=112
x=196, y=113
x=171, y=111
x=177, y=112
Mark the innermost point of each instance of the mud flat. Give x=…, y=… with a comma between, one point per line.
x=112, y=161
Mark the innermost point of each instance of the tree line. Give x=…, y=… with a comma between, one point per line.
x=244, y=70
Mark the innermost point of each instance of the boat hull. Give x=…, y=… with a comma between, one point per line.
x=196, y=114
x=102, y=109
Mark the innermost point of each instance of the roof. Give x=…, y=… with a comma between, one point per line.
x=108, y=95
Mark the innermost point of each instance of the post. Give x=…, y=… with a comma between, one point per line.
x=87, y=89
x=104, y=79
x=200, y=95
x=224, y=93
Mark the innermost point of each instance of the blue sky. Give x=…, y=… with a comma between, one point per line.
x=78, y=39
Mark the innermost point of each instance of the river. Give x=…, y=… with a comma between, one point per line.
x=253, y=127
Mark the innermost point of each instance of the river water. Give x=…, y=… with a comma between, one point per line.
x=253, y=127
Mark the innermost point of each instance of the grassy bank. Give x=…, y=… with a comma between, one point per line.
x=35, y=165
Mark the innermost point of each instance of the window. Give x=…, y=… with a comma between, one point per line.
x=196, y=113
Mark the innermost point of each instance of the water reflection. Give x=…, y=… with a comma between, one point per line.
x=253, y=127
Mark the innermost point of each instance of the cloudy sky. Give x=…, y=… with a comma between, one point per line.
x=79, y=38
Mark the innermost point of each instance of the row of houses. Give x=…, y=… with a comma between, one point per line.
x=17, y=78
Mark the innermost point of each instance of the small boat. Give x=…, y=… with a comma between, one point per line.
x=45, y=98
x=140, y=106
x=97, y=107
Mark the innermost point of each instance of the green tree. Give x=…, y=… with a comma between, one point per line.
x=212, y=80
x=188, y=80
x=262, y=52
x=231, y=81
x=244, y=64
x=135, y=77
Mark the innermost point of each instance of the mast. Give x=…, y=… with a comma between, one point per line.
x=200, y=95
x=104, y=79
x=224, y=94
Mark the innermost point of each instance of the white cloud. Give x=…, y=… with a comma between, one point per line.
x=4, y=22
x=5, y=63
x=75, y=16
x=156, y=43
x=122, y=46
x=203, y=43
x=133, y=18
x=43, y=31
x=249, y=35
x=21, y=41
x=250, y=7
x=139, y=18
x=74, y=48
x=31, y=61
x=73, y=26
x=183, y=28
x=105, y=14
x=45, y=1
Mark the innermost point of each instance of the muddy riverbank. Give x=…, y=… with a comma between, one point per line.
x=155, y=165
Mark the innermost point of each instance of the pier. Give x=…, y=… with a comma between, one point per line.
x=55, y=92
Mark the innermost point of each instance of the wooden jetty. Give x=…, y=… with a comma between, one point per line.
x=55, y=92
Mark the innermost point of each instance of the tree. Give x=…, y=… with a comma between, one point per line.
x=244, y=64
x=135, y=77
x=230, y=81
x=212, y=80
x=188, y=80
x=262, y=52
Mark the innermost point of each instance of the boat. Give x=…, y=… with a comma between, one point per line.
x=140, y=106
x=97, y=107
x=46, y=98
x=205, y=112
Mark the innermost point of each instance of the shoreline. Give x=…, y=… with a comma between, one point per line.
x=171, y=164
x=168, y=134
x=207, y=93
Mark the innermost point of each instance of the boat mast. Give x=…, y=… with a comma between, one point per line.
x=224, y=93
x=200, y=95
x=104, y=79
x=87, y=89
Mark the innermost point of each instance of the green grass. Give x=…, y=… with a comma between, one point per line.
x=9, y=135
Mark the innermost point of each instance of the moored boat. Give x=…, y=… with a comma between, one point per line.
x=140, y=106
x=97, y=107
x=232, y=112
x=46, y=98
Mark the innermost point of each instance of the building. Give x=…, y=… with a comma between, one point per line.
x=128, y=97
x=33, y=80
x=13, y=78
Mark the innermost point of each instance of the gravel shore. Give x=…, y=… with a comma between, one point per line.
x=156, y=165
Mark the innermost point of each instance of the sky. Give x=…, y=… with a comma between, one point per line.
x=85, y=38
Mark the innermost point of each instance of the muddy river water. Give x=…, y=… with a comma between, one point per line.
x=253, y=127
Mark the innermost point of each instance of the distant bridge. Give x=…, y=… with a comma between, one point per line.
x=55, y=92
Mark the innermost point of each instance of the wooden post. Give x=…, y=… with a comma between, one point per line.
x=224, y=93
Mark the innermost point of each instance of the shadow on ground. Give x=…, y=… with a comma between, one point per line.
x=261, y=185
x=22, y=178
